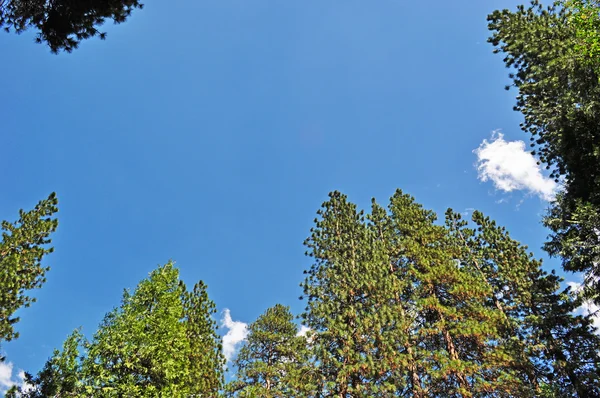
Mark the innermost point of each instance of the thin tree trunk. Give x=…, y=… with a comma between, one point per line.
x=462, y=380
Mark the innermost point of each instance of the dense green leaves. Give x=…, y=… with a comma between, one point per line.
x=24, y=244
x=141, y=347
x=552, y=51
x=585, y=18
x=63, y=24
x=554, y=348
x=61, y=375
x=160, y=342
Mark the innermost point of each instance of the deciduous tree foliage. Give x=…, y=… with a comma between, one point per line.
x=63, y=24
x=160, y=342
x=275, y=360
x=585, y=19
x=403, y=306
x=24, y=244
x=61, y=375
x=552, y=51
x=141, y=348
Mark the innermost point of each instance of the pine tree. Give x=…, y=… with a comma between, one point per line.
x=63, y=24
x=205, y=357
x=554, y=348
x=551, y=51
x=459, y=331
x=395, y=314
x=24, y=245
x=360, y=334
x=275, y=360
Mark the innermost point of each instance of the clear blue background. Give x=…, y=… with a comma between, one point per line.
x=209, y=132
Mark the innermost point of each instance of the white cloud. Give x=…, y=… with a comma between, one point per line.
x=7, y=380
x=510, y=167
x=236, y=333
x=303, y=330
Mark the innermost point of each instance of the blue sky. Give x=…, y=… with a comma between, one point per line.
x=210, y=132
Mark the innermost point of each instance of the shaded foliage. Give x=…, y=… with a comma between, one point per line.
x=63, y=24
x=551, y=51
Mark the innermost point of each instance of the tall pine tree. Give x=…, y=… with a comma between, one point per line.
x=551, y=51
x=393, y=311
x=404, y=306
x=274, y=361
x=555, y=349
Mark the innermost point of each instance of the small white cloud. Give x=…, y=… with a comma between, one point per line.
x=7, y=380
x=510, y=167
x=303, y=330
x=236, y=333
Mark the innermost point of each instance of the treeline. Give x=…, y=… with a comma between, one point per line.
x=397, y=305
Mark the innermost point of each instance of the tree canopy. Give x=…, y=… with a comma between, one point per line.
x=398, y=304
x=160, y=342
x=403, y=306
x=275, y=359
x=552, y=53
x=63, y=24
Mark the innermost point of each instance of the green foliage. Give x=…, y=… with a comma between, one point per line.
x=24, y=244
x=398, y=305
x=63, y=24
x=402, y=306
x=141, y=347
x=553, y=53
x=360, y=342
x=205, y=358
x=576, y=239
x=585, y=18
x=274, y=361
x=61, y=375
x=554, y=348
x=160, y=342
